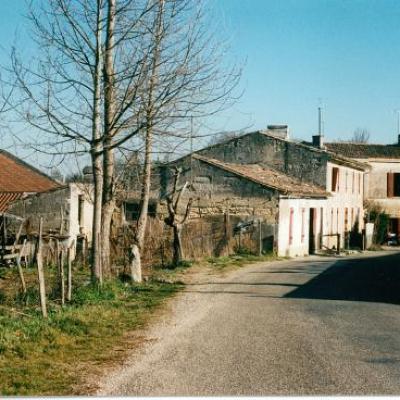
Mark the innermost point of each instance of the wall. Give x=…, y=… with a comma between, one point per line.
x=58, y=208
x=348, y=196
x=295, y=159
x=299, y=246
x=376, y=185
x=216, y=191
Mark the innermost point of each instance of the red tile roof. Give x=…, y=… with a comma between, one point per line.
x=268, y=177
x=6, y=198
x=17, y=177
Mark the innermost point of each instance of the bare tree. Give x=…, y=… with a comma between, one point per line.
x=360, y=135
x=174, y=219
x=119, y=74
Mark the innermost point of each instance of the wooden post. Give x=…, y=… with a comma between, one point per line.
x=3, y=238
x=260, y=244
x=62, y=280
x=20, y=272
x=42, y=286
x=69, y=272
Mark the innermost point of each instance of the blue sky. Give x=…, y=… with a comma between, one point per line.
x=344, y=54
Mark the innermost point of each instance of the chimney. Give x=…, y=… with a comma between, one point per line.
x=318, y=140
x=281, y=131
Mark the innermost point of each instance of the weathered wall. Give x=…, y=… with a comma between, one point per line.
x=56, y=208
x=295, y=159
x=216, y=191
x=46, y=205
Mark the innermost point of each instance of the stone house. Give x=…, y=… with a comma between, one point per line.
x=304, y=195
x=382, y=181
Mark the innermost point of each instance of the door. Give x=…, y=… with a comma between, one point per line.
x=311, y=231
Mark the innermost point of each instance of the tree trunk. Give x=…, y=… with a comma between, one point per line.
x=62, y=276
x=96, y=153
x=42, y=285
x=109, y=131
x=146, y=182
x=178, y=250
x=69, y=273
x=135, y=263
x=96, y=269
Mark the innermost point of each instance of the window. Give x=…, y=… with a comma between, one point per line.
x=335, y=179
x=337, y=220
x=347, y=175
x=132, y=210
x=353, y=183
x=346, y=219
x=393, y=184
x=359, y=183
x=81, y=205
x=331, y=230
x=291, y=225
x=303, y=224
x=352, y=218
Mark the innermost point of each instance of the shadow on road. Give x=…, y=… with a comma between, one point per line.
x=374, y=279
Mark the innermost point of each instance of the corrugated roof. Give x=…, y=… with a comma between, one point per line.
x=7, y=198
x=364, y=150
x=268, y=177
x=18, y=176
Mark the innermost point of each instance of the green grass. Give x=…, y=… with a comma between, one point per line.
x=59, y=355
x=54, y=356
x=239, y=260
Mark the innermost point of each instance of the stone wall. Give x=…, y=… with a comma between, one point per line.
x=295, y=159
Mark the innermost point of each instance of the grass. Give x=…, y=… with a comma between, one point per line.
x=59, y=355
x=239, y=260
x=55, y=356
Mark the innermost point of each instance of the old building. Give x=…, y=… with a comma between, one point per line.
x=382, y=181
x=18, y=179
x=312, y=197
x=66, y=211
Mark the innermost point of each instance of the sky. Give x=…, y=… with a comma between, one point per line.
x=343, y=55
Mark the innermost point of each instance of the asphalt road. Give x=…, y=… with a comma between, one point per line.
x=312, y=326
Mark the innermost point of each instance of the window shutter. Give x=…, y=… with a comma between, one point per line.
x=390, y=184
x=335, y=179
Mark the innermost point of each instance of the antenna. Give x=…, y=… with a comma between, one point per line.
x=191, y=150
x=320, y=118
x=320, y=122
x=397, y=111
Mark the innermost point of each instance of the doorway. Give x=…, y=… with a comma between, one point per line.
x=311, y=230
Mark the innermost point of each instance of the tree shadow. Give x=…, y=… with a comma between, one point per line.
x=374, y=279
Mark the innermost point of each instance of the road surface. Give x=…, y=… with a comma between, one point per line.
x=312, y=326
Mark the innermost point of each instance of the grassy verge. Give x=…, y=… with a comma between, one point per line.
x=213, y=265
x=239, y=260
x=58, y=356
x=54, y=356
